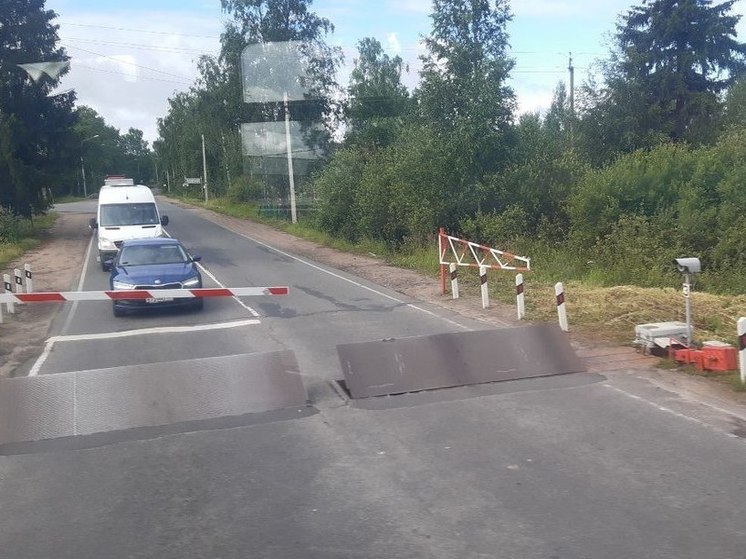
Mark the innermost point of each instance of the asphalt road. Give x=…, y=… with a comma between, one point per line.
x=577, y=466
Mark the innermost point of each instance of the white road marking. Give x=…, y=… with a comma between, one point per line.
x=734, y=413
x=74, y=308
x=670, y=411
x=213, y=278
x=128, y=333
x=348, y=280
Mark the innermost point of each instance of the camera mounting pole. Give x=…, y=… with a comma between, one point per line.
x=688, y=266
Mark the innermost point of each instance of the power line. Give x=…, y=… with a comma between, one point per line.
x=140, y=30
x=178, y=50
x=128, y=75
x=120, y=61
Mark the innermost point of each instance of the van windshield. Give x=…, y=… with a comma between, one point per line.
x=128, y=214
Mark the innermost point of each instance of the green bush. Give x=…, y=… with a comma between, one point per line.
x=244, y=189
x=11, y=226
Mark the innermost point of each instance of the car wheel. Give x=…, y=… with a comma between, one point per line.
x=117, y=311
x=199, y=304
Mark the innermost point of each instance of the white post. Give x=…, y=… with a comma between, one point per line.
x=454, y=280
x=559, y=291
x=29, y=278
x=688, y=309
x=204, y=168
x=291, y=174
x=519, y=296
x=19, y=280
x=9, y=289
x=742, y=347
x=485, y=291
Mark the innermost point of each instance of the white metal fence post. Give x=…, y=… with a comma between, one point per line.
x=9, y=289
x=742, y=347
x=454, y=280
x=29, y=278
x=519, y=296
x=559, y=291
x=483, y=282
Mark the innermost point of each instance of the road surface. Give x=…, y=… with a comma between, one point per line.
x=575, y=466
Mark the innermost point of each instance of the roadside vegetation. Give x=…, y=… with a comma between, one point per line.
x=18, y=234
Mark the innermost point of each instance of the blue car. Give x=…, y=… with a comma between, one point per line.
x=154, y=264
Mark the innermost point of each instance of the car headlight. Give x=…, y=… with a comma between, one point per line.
x=191, y=282
x=106, y=244
x=122, y=285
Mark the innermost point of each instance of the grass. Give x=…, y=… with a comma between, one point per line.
x=34, y=230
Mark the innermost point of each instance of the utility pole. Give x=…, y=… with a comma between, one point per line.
x=225, y=158
x=293, y=214
x=204, y=168
x=82, y=170
x=571, y=68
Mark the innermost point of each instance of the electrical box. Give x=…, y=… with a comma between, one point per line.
x=659, y=334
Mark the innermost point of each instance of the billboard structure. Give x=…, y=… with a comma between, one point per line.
x=273, y=72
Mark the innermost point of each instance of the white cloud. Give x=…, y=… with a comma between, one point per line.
x=393, y=42
x=126, y=65
x=123, y=64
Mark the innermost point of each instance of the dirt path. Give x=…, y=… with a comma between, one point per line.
x=58, y=261
x=56, y=265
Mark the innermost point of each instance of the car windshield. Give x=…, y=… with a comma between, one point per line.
x=114, y=215
x=143, y=255
x=372, y=279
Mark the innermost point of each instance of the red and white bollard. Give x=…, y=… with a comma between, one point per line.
x=742, y=348
x=8, y=289
x=19, y=280
x=520, y=297
x=559, y=291
x=454, y=280
x=485, y=291
x=29, y=278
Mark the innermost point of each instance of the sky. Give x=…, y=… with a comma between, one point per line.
x=128, y=58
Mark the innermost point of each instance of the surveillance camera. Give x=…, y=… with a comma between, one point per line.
x=688, y=265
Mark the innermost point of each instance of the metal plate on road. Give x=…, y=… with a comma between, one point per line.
x=104, y=400
x=444, y=360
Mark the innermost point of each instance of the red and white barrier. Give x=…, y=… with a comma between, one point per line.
x=742, y=348
x=452, y=250
x=559, y=291
x=454, y=280
x=520, y=298
x=485, y=290
x=138, y=294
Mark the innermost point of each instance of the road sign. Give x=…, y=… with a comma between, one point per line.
x=192, y=180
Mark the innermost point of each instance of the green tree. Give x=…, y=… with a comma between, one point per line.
x=464, y=89
x=37, y=146
x=672, y=61
x=137, y=155
x=377, y=98
x=215, y=105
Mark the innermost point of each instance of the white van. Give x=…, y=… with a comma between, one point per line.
x=125, y=212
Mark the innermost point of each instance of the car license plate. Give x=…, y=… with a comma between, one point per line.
x=159, y=299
